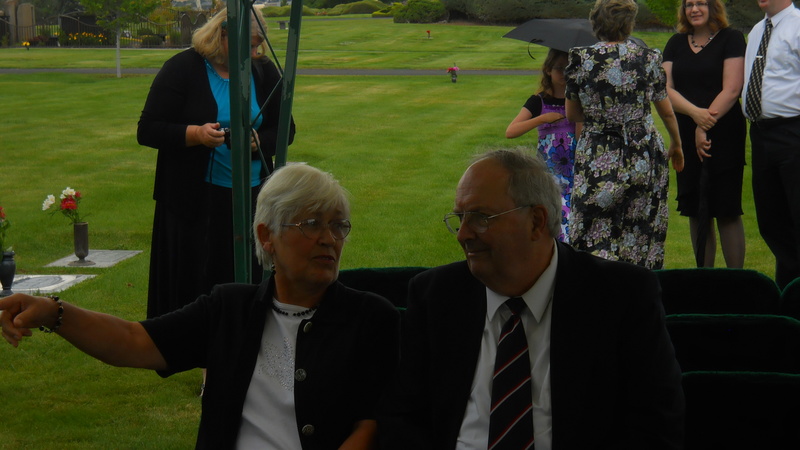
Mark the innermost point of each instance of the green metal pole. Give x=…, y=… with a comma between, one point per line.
x=239, y=69
x=289, y=75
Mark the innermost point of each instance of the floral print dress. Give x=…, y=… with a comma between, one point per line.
x=557, y=146
x=619, y=200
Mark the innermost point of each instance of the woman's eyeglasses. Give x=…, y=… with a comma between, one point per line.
x=690, y=5
x=313, y=228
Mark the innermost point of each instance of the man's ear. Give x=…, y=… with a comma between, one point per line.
x=264, y=237
x=539, y=222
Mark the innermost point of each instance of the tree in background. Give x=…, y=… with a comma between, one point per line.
x=653, y=14
x=742, y=14
x=515, y=11
x=327, y=4
x=665, y=10
x=116, y=14
x=420, y=11
x=52, y=9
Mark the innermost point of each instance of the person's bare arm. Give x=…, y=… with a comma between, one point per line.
x=110, y=339
x=664, y=109
x=732, y=83
x=703, y=117
x=525, y=122
x=363, y=437
x=574, y=111
x=208, y=134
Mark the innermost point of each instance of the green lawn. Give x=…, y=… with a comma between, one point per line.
x=360, y=43
x=397, y=143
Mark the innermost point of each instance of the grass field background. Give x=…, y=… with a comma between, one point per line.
x=398, y=143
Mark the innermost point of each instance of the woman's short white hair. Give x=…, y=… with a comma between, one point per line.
x=290, y=190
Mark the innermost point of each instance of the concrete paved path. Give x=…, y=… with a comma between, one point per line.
x=337, y=72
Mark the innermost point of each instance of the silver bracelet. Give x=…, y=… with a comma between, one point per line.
x=58, y=324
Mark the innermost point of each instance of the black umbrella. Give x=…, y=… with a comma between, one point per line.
x=560, y=34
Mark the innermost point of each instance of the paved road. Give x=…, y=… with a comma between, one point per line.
x=339, y=72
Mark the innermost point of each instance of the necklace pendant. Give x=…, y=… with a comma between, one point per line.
x=696, y=45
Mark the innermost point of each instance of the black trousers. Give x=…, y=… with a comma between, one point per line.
x=776, y=191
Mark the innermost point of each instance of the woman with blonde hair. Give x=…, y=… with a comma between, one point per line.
x=185, y=116
x=704, y=63
x=619, y=203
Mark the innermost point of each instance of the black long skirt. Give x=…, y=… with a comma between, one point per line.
x=190, y=253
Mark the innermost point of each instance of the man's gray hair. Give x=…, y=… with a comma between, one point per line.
x=291, y=190
x=530, y=182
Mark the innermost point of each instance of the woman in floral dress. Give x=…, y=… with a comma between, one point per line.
x=619, y=200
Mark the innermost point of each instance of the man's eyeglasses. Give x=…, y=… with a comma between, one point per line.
x=690, y=5
x=478, y=222
x=313, y=228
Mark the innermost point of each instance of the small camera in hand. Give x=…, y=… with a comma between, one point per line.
x=227, y=132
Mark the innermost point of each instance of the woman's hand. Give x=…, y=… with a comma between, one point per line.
x=702, y=143
x=552, y=117
x=254, y=141
x=209, y=135
x=704, y=118
x=676, y=155
x=363, y=437
x=22, y=312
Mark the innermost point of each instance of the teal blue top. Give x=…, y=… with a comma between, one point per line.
x=219, y=166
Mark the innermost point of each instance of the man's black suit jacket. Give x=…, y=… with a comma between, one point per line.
x=614, y=378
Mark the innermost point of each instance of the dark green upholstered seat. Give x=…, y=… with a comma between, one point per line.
x=720, y=342
x=718, y=291
x=737, y=410
x=389, y=282
x=790, y=299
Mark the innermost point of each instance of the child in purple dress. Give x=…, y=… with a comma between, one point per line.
x=557, y=136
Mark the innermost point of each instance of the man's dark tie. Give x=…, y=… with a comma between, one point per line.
x=753, y=100
x=511, y=419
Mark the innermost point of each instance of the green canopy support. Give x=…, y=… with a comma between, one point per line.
x=239, y=66
x=289, y=73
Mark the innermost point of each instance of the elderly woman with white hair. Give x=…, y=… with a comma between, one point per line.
x=295, y=362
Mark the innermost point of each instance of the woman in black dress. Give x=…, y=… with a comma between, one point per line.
x=704, y=63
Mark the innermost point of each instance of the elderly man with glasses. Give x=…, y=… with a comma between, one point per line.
x=528, y=341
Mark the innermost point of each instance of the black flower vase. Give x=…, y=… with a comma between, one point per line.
x=453, y=77
x=8, y=268
x=81, y=236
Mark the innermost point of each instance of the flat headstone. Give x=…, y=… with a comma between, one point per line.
x=100, y=258
x=45, y=284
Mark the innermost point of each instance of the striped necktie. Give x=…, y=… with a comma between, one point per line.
x=753, y=100
x=511, y=418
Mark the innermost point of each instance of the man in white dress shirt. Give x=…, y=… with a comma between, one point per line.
x=775, y=135
x=603, y=373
